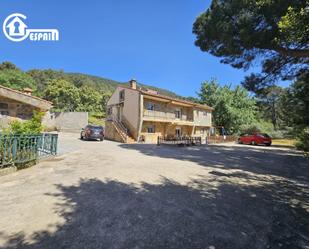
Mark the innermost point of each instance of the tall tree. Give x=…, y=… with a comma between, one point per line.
x=295, y=103
x=232, y=107
x=64, y=95
x=268, y=104
x=243, y=32
x=43, y=77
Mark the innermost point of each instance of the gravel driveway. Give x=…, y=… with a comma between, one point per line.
x=111, y=195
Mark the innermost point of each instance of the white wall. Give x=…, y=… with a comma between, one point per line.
x=114, y=99
x=131, y=107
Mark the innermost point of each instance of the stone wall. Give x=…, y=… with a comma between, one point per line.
x=111, y=133
x=163, y=129
x=11, y=110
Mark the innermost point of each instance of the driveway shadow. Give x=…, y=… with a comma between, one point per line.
x=200, y=214
x=289, y=164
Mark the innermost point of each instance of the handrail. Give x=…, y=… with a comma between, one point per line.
x=115, y=119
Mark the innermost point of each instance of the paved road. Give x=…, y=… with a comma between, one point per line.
x=111, y=195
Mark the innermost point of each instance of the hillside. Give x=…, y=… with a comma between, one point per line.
x=67, y=91
x=110, y=85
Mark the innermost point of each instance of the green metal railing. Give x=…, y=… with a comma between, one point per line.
x=19, y=149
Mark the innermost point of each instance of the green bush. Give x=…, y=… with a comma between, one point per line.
x=262, y=126
x=32, y=126
x=96, y=120
x=303, y=140
x=265, y=127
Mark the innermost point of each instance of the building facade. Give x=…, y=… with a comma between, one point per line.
x=135, y=114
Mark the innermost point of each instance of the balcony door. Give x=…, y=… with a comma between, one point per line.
x=178, y=113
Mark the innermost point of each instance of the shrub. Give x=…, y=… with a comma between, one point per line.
x=276, y=134
x=265, y=127
x=303, y=140
x=261, y=126
x=96, y=120
x=32, y=126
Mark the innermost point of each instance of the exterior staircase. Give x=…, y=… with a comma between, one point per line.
x=122, y=131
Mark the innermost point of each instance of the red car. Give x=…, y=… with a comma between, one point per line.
x=255, y=139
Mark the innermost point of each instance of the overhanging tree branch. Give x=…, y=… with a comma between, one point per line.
x=299, y=53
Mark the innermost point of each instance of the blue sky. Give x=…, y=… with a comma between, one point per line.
x=151, y=41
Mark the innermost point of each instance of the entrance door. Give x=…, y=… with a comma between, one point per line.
x=178, y=132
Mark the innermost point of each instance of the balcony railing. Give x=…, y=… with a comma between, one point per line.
x=166, y=116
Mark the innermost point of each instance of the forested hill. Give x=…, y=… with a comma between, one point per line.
x=67, y=91
x=38, y=80
x=110, y=85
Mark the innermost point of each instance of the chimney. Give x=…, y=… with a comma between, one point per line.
x=27, y=91
x=133, y=84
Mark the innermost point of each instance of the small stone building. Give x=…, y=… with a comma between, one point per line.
x=17, y=105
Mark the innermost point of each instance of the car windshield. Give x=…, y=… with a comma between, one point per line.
x=93, y=127
x=265, y=135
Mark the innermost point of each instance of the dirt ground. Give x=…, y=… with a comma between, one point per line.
x=111, y=195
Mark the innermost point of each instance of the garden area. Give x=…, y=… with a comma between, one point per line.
x=23, y=143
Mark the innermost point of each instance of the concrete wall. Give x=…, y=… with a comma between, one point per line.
x=66, y=121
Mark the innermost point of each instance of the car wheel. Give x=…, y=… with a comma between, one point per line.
x=101, y=139
x=81, y=137
x=239, y=141
x=253, y=142
x=268, y=144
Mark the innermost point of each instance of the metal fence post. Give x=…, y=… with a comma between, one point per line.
x=14, y=149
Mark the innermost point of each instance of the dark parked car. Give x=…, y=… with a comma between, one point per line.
x=255, y=139
x=92, y=132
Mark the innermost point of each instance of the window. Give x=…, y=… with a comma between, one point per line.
x=178, y=132
x=151, y=129
x=109, y=111
x=150, y=106
x=204, y=113
x=177, y=114
x=203, y=131
x=121, y=95
x=4, y=106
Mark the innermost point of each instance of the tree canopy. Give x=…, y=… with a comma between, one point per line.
x=245, y=32
x=233, y=108
x=13, y=77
